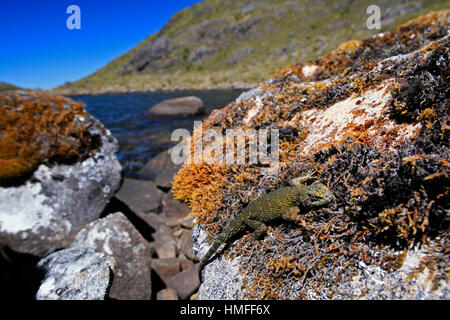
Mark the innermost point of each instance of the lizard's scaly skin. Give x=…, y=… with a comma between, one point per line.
x=278, y=204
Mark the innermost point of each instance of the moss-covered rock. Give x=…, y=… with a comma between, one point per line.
x=58, y=169
x=37, y=128
x=370, y=119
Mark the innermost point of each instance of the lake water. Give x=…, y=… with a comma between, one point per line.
x=140, y=137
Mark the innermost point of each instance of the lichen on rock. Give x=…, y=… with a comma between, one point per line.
x=370, y=119
x=58, y=170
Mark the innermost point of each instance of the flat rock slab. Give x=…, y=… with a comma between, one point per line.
x=186, y=282
x=75, y=274
x=140, y=196
x=116, y=237
x=178, y=107
x=166, y=268
x=174, y=208
x=160, y=169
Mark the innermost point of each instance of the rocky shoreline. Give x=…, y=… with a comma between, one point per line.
x=116, y=90
x=64, y=216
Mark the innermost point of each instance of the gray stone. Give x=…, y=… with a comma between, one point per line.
x=178, y=107
x=173, y=222
x=115, y=236
x=162, y=236
x=166, y=250
x=185, y=262
x=166, y=268
x=45, y=212
x=152, y=219
x=174, y=208
x=75, y=274
x=186, y=282
x=187, y=222
x=160, y=169
x=140, y=196
x=187, y=245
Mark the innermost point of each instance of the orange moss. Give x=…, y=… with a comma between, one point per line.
x=201, y=186
x=37, y=128
x=349, y=46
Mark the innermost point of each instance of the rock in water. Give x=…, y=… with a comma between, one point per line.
x=370, y=119
x=178, y=107
x=58, y=169
x=75, y=274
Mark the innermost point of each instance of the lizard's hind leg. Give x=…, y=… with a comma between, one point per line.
x=258, y=227
x=292, y=214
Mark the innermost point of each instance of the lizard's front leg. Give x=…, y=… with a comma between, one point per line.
x=258, y=227
x=292, y=214
x=302, y=180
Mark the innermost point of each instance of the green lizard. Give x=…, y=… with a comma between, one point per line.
x=282, y=203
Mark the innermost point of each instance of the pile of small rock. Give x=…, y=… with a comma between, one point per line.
x=151, y=201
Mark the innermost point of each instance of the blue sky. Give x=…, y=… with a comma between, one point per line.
x=38, y=50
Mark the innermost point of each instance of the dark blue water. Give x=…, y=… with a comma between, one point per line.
x=140, y=137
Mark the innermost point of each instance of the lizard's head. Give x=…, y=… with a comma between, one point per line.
x=317, y=194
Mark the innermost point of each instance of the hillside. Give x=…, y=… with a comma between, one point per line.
x=237, y=43
x=4, y=86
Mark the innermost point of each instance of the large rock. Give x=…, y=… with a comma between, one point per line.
x=116, y=237
x=75, y=274
x=62, y=181
x=370, y=119
x=160, y=169
x=141, y=196
x=178, y=107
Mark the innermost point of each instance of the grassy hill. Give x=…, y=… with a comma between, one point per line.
x=4, y=86
x=232, y=43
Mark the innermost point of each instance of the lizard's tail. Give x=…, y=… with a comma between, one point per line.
x=211, y=251
x=234, y=228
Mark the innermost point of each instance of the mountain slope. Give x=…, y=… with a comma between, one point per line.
x=4, y=86
x=224, y=43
